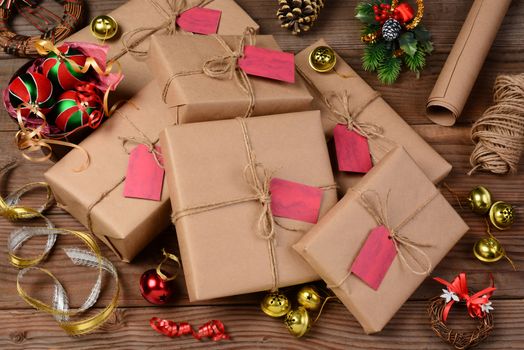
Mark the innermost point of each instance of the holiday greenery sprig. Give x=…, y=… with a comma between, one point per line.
x=394, y=36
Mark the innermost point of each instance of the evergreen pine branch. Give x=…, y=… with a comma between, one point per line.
x=373, y=56
x=389, y=70
x=416, y=62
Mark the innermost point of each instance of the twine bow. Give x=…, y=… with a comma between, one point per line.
x=151, y=148
x=379, y=211
x=171, y=11
x=225, y=67
x=345, y=116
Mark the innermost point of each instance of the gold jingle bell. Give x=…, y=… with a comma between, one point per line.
x=322, y=59
x=488, y=250
x=501, y=215
x=104, y=27
x=309, y=298
x=275, y=305
x=480, y=200
x=298, y=322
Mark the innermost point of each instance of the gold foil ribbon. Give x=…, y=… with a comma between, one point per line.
x=91, y=258
x=259, y=184
x=9, y=207
x=225, y=67
x=379, y=212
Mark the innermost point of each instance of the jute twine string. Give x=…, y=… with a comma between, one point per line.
x=259, y=179
x=348, y=116
x=499, y=133
x=225, y=67
x=459, y=340
x=143, y=139
x=379, y=211
x=170, y=10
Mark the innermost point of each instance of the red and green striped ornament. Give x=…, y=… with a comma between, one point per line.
x=72, y=111
x=33, y=88
x=61, y=72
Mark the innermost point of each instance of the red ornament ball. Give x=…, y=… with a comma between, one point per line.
x=61, y=72
x=73, y=110
x=32, y=88
x=155, y=289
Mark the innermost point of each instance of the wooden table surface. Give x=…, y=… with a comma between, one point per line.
x=24, y=328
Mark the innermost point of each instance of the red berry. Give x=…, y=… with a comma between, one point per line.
x=375, y=7
x=377, y=18
x=387, y=6
x=383, y=16
x=383, y=5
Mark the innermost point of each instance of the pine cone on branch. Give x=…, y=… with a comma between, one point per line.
x=299, y=15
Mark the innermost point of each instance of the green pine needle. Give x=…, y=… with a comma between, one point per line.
x=417, y=62
x=373, y=56
x=389, y=70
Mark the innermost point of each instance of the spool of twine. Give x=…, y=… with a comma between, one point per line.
x=499, y=134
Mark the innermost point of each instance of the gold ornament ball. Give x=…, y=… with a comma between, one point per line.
x=501, y=215
x=322, y=59
x=104, y=27
x=309, y=298
x=298, y=322
x=275, y=305
x=488, y=250
x=480, y=200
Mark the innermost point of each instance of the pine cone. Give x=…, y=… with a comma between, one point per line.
x=391, y=29
x=299, y=15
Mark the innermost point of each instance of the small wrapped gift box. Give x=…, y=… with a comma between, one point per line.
x=135, y=14
x=203, y=81
x=346, y=101
x=228, y=181
x=96, y=195
x=380, y=242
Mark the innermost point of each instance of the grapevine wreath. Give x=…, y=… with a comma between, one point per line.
x=23, y=45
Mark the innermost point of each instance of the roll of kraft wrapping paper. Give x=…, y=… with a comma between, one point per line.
x=463, y=65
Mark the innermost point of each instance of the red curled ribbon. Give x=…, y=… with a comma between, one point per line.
x=213, y=330
x=478, y=304
x=89, y=97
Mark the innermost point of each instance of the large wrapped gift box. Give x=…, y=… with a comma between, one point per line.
x=193, y=96
x=95, y=196
x=396, y=195
x=221, y=216
x=366, y=108
x=136, y=14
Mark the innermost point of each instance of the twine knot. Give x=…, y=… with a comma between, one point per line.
x=339, y=104
x=151, y=148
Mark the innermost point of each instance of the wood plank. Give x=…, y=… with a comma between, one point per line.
x=250, y=328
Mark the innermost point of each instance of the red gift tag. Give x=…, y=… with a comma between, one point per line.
x=199, y=20
x=267, y=63
x=145, y=178
x=352, y=150
x=294, y=200
x=376, y=256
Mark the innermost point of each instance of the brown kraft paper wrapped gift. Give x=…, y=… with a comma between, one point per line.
x=208, y=165
x=366, y=106
x=193, y=96
x=95, y=196
x=136, y=14
x=431, y=225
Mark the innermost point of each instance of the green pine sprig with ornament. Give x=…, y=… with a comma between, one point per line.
x=394, y=37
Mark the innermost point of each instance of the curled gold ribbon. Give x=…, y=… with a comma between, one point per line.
x=172, y=257
x=59, y=309
x=9, y=207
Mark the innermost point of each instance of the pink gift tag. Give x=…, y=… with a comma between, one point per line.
x=294, y=200
x=267, y=63
x=199, y=20
x=375, y=257
x=352, y=150
x=144, y=178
